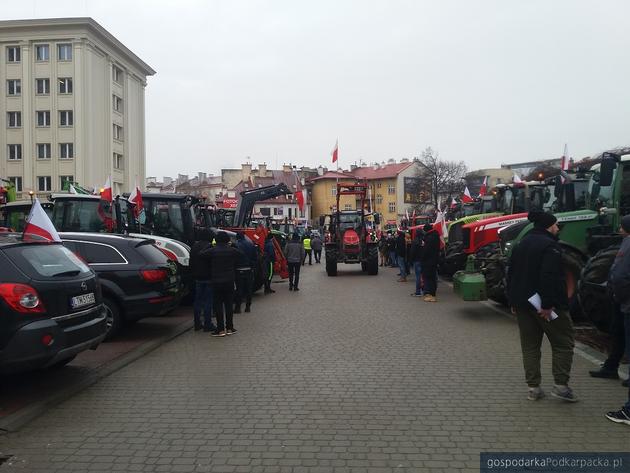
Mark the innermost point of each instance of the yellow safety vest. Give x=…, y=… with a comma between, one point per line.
x=307, y=243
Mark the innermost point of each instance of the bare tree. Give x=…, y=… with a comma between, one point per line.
x=443, y=178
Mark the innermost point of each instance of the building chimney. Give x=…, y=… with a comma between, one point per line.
x=320, y=171
x=262, y=170
x=167, y=180
x=201, y=176
x=246, y=171
x=287, y=168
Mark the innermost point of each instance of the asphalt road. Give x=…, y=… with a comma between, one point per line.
x=350, y=374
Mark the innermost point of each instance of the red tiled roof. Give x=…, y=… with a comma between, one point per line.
x=367, y=172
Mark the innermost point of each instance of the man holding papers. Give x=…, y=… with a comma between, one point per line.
x=537, y=292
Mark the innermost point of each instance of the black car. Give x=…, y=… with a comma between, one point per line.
x=137, y=279
x=50, y=305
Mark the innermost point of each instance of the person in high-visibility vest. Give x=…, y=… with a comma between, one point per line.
x=308, y=251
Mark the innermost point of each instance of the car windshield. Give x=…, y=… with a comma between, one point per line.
x=47, y=260
x=83, y=216
x=166, y=219
x=349, y=220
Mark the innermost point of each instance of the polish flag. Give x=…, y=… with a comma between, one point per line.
x=72, y=190
x=440, y=226
x=300, y=194
x=453, y=203
x=39, y=224
x=106, y=193
x=516, y=179
x=136, y=198
x=484, y=187
x=335, y=153
x=466, y=197
x=564, y=165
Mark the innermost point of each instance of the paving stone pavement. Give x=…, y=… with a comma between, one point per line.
x=350, y=374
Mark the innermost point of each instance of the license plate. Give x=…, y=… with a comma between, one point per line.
x=82, y=300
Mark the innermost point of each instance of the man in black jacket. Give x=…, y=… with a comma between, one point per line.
x=401, y=255
x=245, y=272
x=200, y=272
x=416, y=259
x=429, y=261
x=223, y=262
x=536, y=268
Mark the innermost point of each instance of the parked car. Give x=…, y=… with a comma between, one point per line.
x=137, y=279
x=50, y=305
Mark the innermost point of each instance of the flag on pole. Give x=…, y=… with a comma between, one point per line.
x=335, y=152
x=136, y=198
x=466, y=197
x=564, y=164
x=484, y=187
x=440, y=226
x=300, y=194
x=516, y=179
x=453, y=203
x=407, y=214
x=39, y=224
x=106, y=193
x=72, y=190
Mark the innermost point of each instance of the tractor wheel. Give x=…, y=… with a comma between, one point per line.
x=573, y=265
x=485, y=252
x=259, y=274
x=372, y=261
x=494, y=270
x=331, y=263
x=452, y=259
x=593, y=292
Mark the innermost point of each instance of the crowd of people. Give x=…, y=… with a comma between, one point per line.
x=420, y=252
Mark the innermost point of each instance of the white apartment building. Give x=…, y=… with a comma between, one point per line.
x=72, y=108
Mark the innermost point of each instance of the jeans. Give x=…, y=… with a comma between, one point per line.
x=560, y=333
x=294, y=275
x=308, y=253
x=244, y=288
x=268, y=273
x=224, y=304
x=318, y=255
x=618, y=344
x=402, y=266
x=203, y=305
x=417, y=267
x=429, y=276
x=392, y=259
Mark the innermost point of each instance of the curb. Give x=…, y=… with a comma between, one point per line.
x=20, y=418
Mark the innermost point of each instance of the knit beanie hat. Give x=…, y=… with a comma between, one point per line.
x=541, y=219
x=625, y=223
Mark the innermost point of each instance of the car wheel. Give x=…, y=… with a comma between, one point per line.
x=113, y=319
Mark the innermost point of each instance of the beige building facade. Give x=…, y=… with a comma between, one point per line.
x=73, y=107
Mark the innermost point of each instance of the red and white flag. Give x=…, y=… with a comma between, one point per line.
x=484, y=187
x=136, y=198
x=39, y=224
x=516, y=179
x=335, y=152
x=564, y=165
x=300, y=193
x=453, y=203
x=466, y=197
x=440, y=226
x=106, y=193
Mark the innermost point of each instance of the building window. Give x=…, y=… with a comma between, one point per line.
x=118, y=132
x=66, y=151
x=378, y=184
x=392, y=207
x=14, y=87
x=43, y=118
x=42, y=86
x=17, y=182
x=14, y=119
x=44, y=183
x=347, y=207
x=391, y=189
x=117, y=103
x=118, y=161
x=14, y=152
x=117, y=74
x=43, y=150
x=64, y=52
x=65, y=118
x=379, y=199
x=65, y=181
x=333, y=191
x=65, y=85
x=42, y=52
x=13, y=54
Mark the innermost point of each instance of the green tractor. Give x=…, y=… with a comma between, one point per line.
x=589, y=237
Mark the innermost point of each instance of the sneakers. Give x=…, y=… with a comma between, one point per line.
x=429, y=298
x=535, y=394
x=416, y=295
x=216, y=333
x=564, y=393
x=622, y=416
x=604, y=372
x=231, y=331
x=402, y=279
x=296, y=288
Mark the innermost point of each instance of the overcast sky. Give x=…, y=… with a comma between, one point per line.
x=487, y=82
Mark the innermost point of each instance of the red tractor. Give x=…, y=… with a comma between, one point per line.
x=352, y=237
